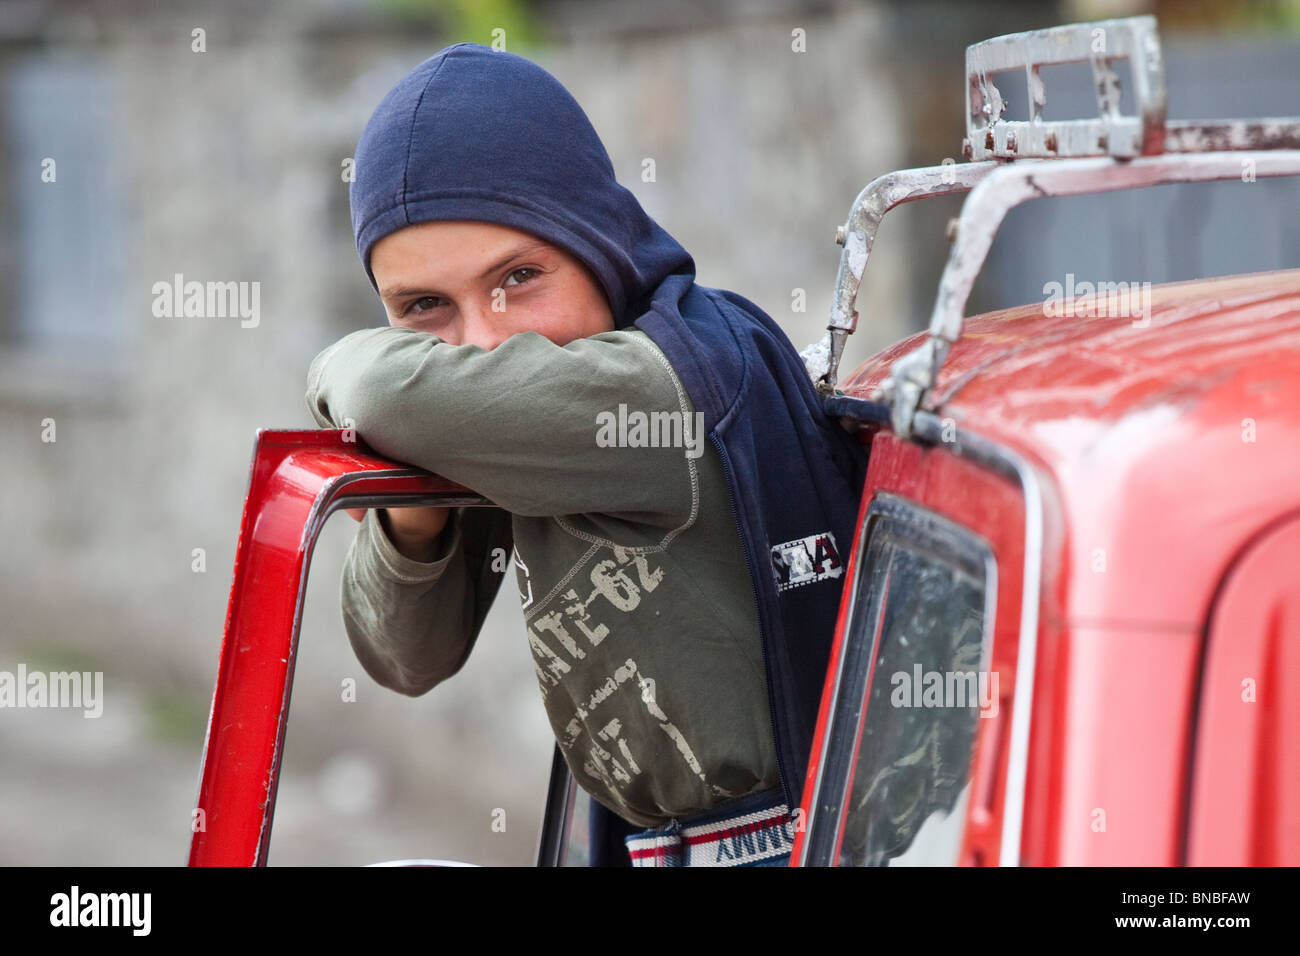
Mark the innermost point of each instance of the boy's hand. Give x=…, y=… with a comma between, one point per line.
x=414, y=531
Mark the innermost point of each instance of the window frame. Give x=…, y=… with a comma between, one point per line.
x=857, y=667
x=996, y=494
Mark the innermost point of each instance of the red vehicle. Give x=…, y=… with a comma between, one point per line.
x=1070, y=626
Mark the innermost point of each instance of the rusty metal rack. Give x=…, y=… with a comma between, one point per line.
x=1014, y=161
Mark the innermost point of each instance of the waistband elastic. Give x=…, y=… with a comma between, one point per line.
x=741, y=832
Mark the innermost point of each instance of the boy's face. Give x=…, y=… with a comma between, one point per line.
x=478, y=283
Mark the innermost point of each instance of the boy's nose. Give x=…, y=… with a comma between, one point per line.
x=482, y=326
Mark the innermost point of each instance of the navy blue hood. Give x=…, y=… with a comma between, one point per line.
x=479, y=134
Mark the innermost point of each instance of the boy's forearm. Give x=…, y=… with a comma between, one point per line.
x=412, y=623
x=408, y=621
x=537, y=428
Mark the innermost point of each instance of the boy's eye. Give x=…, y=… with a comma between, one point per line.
x=528, y=275
x=428, y=303
x=424, y=304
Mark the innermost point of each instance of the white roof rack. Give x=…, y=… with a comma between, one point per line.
x=1109, y=133
x=1019, y=160
x=989, y=136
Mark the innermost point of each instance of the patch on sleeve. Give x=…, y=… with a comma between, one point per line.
x=805, y=560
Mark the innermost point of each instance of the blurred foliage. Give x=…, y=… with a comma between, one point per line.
x=1231, y=16
x=472, y=20
x=1241, y=15
x=52, y=657
x=177, y=716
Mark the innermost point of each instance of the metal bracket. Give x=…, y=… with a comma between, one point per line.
x=858, y=235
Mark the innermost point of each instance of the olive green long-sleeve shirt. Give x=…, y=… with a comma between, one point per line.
x=640, y=613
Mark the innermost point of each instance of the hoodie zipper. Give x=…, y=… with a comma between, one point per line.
x=753, y=586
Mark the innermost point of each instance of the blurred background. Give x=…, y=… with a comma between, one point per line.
x=211, y=141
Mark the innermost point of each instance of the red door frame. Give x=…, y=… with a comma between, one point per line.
x=297, y=479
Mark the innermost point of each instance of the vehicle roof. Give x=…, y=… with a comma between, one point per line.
x=1187, y=430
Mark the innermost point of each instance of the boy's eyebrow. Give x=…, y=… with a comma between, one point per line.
x=523, y=249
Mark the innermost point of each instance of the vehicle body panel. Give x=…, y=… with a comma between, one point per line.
x=1127, y=420
x=1245, y=789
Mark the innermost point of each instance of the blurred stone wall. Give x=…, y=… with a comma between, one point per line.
x=225, y=165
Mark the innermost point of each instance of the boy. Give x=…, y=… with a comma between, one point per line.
x=677, y=504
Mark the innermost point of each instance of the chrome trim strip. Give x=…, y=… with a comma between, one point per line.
x=1009, y=463
x=416, y=862
x=421, y=863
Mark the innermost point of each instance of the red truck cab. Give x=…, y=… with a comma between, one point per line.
x=1101, y=523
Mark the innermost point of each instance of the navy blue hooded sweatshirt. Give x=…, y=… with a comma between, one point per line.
x=484, y=135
